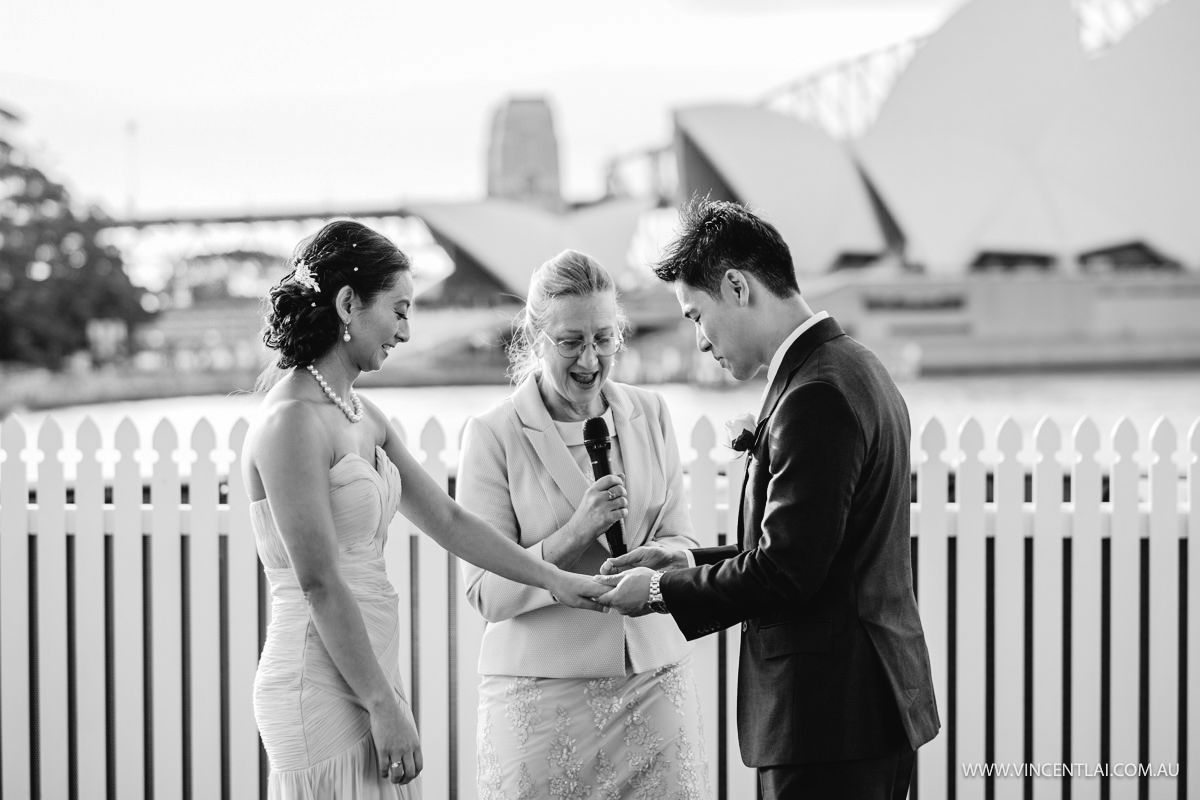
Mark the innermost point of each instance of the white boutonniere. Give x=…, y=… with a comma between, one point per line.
x=740, y=431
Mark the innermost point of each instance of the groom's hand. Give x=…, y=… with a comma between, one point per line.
x=631, y=591
x=654, y=556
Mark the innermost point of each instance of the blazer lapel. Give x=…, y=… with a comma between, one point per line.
x=560, y=468
x=634, y=440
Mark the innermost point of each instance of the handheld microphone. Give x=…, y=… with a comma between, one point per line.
x=597, y=443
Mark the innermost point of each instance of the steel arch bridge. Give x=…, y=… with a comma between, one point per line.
x=845, y=98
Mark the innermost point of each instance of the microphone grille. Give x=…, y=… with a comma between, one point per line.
x=595, y=428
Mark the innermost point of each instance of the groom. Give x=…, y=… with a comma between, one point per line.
x=834, y=686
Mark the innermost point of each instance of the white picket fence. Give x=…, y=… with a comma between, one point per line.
x=130, y=625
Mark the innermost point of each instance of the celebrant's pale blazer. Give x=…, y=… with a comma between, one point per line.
x=517, y=473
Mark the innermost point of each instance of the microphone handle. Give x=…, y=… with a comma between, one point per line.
x=616, y=538
x=615, y=535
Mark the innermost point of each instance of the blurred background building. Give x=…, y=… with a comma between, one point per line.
x=1016, y=190
x=522, y=162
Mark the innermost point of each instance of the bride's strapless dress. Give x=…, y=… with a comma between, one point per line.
x=316, y=732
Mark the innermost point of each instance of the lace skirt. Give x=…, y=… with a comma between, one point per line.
x=638, y=737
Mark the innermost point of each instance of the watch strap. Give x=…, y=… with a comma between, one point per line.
x=655, y=601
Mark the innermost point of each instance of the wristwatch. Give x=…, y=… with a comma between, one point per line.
x=656, y=602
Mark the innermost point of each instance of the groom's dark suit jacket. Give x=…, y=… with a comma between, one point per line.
x=833, y=661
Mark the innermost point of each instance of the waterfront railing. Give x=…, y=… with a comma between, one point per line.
x=1052, y=571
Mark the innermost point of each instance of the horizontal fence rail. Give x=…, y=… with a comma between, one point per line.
x=1052, y=571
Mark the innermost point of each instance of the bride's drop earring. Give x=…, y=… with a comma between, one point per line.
x=346, y=335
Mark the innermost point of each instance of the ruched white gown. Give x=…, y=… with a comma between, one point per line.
x=316, y=732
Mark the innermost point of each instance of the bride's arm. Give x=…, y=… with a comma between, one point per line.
x=293, y=457
x=471, y=538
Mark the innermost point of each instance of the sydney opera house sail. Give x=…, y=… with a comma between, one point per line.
x=1003, y=143
x=1018, y=199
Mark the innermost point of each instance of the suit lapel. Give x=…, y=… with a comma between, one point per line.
x=741, y=536
x=635, y=456
x=560, y=468
x=795, y=357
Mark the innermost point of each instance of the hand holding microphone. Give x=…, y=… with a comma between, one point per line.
x=597, y=444
x=602, y=506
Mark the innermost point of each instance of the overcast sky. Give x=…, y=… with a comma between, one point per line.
x=234, y=105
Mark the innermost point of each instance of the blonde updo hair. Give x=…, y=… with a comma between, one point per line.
x=569, y=274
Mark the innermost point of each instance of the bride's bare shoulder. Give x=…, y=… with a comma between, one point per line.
x=281, y=418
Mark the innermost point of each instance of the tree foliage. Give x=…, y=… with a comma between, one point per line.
x=55, y=276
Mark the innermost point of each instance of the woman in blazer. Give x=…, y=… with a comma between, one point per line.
x=574, y=703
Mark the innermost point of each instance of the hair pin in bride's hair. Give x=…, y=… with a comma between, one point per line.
x=303, y=276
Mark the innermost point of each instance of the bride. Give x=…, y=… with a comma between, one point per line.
x=324, y=469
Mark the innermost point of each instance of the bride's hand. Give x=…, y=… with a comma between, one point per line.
x=577, y=591
x=397, y=745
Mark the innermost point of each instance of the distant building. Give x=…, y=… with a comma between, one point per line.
x=497, y=243
x=1017, y=203
x=1002, y=146
x=214, y=335
x=523, y=154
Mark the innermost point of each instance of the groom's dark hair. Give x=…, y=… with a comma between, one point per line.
x=716, y=235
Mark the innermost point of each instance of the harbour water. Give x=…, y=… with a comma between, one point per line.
x=1143, y=397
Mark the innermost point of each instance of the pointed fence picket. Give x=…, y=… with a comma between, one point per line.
x=90, y=631
x=930, y=524
x=129, y=690
x=1123, y=598
x=1163, y=590
x=130, y=624
x=1008, y=609
x=1047, y=612
x=970, y=598
x=202, y=613
x=1087, y=600
x=15, y=684
x=164, y=613
x=50, y=554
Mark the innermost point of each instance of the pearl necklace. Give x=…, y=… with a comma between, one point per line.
x=354, y=414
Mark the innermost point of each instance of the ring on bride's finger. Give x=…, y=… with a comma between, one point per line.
x=397, y=765
x=611, y=496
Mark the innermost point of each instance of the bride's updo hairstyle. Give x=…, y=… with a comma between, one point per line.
x=301, y=321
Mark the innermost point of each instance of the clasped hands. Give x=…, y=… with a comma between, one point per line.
x=625, y=580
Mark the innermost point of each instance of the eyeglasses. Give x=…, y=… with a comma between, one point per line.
x=573, y=348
